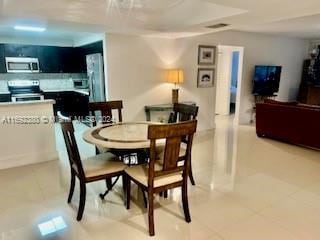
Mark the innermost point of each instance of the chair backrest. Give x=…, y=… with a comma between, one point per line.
x=173, y=134
x=185, y=112
x=71, y=145
x=104, y=110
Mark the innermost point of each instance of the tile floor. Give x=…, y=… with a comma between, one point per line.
x=247, y=188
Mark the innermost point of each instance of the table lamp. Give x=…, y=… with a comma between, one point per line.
x=175, y=76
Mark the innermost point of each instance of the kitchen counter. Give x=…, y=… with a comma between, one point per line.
x=28, y=128
x=38, y=102
x=82, y=91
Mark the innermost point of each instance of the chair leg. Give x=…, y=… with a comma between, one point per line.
x=82, y=201
x=191, y=176
x=145, y=201
x=150, y=214
x=185, y=201
x=128, y=187
x=124, y=188
x=73, y=182
x=165, y=194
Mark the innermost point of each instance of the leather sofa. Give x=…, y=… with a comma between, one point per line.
x=289, y=122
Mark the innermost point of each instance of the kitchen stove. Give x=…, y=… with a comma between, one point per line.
x=25, y=90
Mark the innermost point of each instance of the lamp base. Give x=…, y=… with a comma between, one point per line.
x=175, y=96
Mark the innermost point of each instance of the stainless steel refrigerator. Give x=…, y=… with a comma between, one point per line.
x=96, y=77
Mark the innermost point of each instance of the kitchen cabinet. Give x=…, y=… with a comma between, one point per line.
x=19, y=50
x=70, y=103
x=3, y=68
x=52, y=59
x=5, y=97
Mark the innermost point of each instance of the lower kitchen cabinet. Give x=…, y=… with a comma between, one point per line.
x=5, y=98
x=70, y=103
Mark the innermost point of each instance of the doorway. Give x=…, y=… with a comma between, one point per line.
x=229, y=76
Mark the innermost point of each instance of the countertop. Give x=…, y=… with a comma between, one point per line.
x=82, y=91
x=49, y=101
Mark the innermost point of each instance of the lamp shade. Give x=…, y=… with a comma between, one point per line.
x=175, y=76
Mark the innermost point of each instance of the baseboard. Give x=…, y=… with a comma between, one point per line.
x=26, y=159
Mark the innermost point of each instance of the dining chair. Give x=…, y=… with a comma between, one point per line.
x=99, y=167
x=183, y=112
x=154, y=177
x=104, y=110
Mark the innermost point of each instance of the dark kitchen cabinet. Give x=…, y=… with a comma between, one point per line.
x=58, y=59
x=5, y=98
x=70, y=103
x=19, y=50
x=3, y=68
x=50, y=59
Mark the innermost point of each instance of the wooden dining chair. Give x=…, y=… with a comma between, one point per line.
x=104, y=110
x=183, y=112
x=99, y=167
x=155, y=177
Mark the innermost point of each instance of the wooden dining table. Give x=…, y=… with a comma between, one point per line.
x=120, y=136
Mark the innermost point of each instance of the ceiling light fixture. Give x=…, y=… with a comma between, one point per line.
x=29, y=28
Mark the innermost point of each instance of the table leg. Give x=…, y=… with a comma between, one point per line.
x=102, y=195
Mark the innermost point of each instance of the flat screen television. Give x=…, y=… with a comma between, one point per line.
x=266, y=80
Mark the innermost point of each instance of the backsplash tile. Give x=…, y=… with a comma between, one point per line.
x=11, y=76
x=3, y=86
x=48, y=81
x=56, y=84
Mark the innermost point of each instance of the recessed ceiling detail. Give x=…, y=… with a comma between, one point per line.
x=163, y=17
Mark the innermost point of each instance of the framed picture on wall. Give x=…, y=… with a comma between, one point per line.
x=206, y=55
x=205, y=77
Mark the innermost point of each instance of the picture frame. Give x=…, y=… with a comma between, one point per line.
x=206, y=55
x=206, y=77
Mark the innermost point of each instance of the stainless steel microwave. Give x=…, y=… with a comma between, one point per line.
x=22, y=65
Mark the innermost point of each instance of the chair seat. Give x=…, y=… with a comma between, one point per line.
x=160, y=152
x=102, y=164
x=140, y=174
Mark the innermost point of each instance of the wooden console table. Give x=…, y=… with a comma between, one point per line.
x=167, y=107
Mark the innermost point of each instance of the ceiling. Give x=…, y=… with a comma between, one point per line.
x=168, y=18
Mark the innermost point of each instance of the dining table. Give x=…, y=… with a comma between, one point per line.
x=120, y=136
x=123, y=139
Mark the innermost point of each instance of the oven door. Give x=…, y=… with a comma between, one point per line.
x=26, y=97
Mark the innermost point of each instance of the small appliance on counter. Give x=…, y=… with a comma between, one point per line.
x=25, y=90
x=80, y=83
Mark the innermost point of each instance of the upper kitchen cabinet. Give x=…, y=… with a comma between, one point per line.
x=18, y=50
x=58, y=59
x=3, y=68
x=50, y=59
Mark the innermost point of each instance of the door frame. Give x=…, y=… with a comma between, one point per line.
x=231, y=49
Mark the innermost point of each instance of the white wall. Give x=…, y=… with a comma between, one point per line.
x=135, y=69
x=258, y=49
x=135, y=72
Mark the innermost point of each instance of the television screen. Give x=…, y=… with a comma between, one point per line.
x=266, y=80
